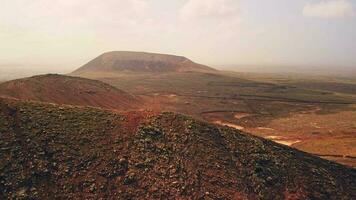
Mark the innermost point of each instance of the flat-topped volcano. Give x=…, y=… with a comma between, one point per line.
x=118, y=61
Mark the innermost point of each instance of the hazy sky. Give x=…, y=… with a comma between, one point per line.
x=67, y=33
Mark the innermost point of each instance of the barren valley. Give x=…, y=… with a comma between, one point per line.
x=312, y=114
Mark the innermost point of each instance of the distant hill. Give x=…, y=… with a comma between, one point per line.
x=69, y=90
x=51, y=152
x=119, y=61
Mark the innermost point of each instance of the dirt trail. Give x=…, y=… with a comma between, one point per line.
x=261, y=98
x=229, y=125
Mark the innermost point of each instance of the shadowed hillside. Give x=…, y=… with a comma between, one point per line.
x=51, y=152
x=119, y=61
x=69, y=90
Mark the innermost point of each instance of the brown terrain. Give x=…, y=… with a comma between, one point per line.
x=61, y=89
x=64, y=152
x=119, y=61
x=64, y=137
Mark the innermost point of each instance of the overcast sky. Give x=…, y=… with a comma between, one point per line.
x=64, y=34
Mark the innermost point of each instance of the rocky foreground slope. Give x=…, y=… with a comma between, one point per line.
x=53, y=152
x=60, y=89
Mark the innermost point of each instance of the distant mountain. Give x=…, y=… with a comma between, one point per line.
x=51, y=152
x=69, y=90
x=119, y=61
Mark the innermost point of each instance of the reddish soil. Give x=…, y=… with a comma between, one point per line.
x=61, y=89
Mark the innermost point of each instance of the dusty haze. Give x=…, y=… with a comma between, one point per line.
x=277, y=35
